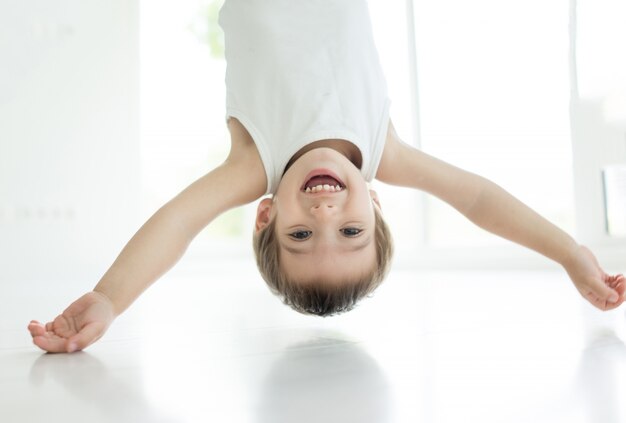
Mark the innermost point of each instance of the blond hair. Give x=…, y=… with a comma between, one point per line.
x=316, y=297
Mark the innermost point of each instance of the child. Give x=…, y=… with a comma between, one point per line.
x=307, y=112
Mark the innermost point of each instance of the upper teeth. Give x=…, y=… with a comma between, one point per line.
x=326, y=187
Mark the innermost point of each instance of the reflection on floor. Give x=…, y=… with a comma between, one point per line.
x=212, y=344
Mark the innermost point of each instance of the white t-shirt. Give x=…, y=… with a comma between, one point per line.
x=300, y=71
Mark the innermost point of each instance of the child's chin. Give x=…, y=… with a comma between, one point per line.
x=321, y=153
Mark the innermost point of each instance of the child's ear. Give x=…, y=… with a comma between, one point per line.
x=263, y=214
x=374, y=196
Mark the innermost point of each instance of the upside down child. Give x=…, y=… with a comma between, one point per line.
x=308, y=116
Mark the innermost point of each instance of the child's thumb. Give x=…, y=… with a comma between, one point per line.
x=613, y=297
x=87, y=336
x=610, y=295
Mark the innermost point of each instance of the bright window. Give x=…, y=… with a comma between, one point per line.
x=494, y=99
x=183, y=131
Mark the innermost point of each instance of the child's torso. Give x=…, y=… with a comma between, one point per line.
x=301, y=71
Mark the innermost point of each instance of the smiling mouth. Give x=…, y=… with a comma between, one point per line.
x=322, y=181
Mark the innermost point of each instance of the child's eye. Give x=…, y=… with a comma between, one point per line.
x=300, y=235
x=351, y=231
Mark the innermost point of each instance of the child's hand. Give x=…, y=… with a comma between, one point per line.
x=80, y=325
x=603, y=291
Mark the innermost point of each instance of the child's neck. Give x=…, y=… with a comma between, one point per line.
x=349, y=150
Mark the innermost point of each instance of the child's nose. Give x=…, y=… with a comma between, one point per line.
x=323, y=210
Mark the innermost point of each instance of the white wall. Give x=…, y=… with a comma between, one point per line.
x=69, y=142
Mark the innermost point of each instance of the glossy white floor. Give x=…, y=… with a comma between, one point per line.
x=210, y=343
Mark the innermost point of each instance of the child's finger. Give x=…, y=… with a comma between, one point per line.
x=617, y=281
x=617, y=284
x=87, y=335
x=36, y=329
x=50, y=343
x=607, y=293
x=603, y=297
x=620, y=287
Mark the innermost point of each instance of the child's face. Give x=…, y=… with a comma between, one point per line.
x=323, y=234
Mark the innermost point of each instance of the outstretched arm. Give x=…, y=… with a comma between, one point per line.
x=492, y=208
x=153, y=250
x=164, y=238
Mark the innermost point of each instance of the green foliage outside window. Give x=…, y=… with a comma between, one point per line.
x=207, y=29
